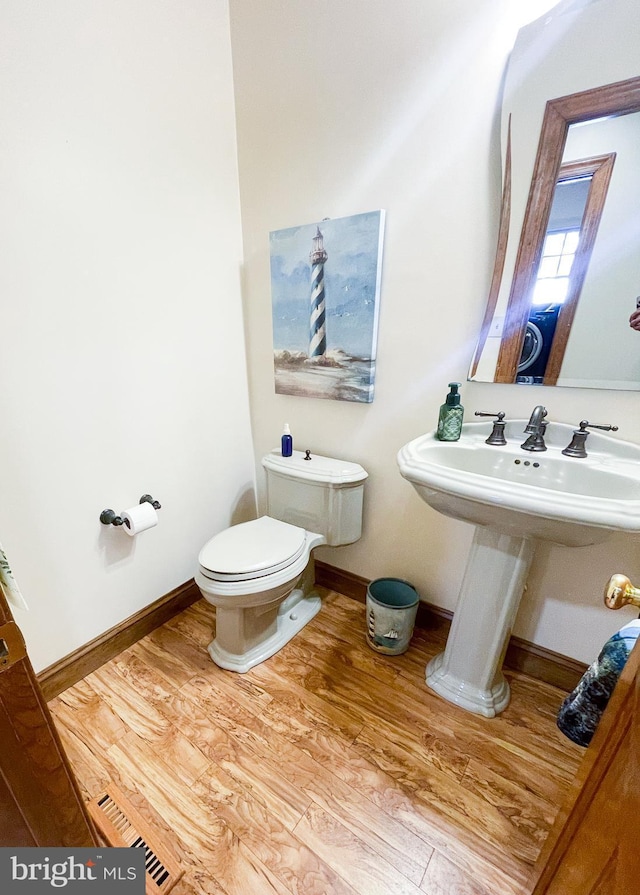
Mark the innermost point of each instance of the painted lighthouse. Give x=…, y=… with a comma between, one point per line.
x=325, y=346
x=317, y=318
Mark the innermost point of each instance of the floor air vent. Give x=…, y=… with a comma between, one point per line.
x=121, y=826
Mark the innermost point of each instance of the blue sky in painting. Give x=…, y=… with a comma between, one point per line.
x=353, y=245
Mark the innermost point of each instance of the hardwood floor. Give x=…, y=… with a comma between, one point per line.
x=327, y=769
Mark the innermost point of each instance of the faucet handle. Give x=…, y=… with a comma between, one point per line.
x=576, y=447
x=584, y=424
x=497, y=433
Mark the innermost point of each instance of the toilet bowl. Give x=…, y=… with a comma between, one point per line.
x=253, y=574
x=259, y=575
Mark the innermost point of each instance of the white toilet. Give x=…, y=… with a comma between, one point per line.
x=259, y=575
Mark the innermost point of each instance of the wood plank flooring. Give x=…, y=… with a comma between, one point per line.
x=327, y=770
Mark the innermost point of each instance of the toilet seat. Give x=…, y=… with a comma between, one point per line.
x=252, y=550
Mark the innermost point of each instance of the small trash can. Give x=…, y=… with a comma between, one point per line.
x=392, y=604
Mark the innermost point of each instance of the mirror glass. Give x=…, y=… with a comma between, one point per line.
x=567, y=272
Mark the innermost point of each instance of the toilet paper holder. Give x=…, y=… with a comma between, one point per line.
x=110, y=517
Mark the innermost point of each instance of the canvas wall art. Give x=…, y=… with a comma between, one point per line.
x=325, y=290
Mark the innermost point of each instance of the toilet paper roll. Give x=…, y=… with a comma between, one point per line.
x=139, y=518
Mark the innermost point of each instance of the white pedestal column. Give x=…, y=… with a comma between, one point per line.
x=469, y=672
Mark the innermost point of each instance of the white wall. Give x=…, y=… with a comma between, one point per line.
x=122, y=367
x=349, y=107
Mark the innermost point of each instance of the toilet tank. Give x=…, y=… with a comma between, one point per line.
x=319, y=494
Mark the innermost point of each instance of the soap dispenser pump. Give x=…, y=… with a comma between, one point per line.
x=451, y=414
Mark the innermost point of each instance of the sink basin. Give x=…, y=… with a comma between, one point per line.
x=514, y=498
x=571, y=501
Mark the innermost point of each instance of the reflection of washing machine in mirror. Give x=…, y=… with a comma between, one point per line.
x=538, y=339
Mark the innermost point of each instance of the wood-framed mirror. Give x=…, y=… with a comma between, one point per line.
x=550, y=172
x=567, y=269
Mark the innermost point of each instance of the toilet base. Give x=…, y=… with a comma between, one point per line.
x=294, y=614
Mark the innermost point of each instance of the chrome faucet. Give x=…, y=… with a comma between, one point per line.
x=535, y=428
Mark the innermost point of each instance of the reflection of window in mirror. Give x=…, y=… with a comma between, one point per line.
x=561, y=240
x=558, y=252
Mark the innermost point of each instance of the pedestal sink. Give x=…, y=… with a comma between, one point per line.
x=514, y=498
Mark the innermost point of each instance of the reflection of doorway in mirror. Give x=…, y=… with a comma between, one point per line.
x=553, y=283
x=595, y=172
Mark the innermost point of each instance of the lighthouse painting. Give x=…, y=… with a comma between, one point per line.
x=325, y=289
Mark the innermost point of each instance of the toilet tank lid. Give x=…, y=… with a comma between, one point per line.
x=317, y=469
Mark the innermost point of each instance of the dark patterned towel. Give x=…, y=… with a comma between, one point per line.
x=581, y=711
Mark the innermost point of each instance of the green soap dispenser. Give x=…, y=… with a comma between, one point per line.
x=451, y=413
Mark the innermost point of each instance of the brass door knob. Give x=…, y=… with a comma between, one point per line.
x=620, y=592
